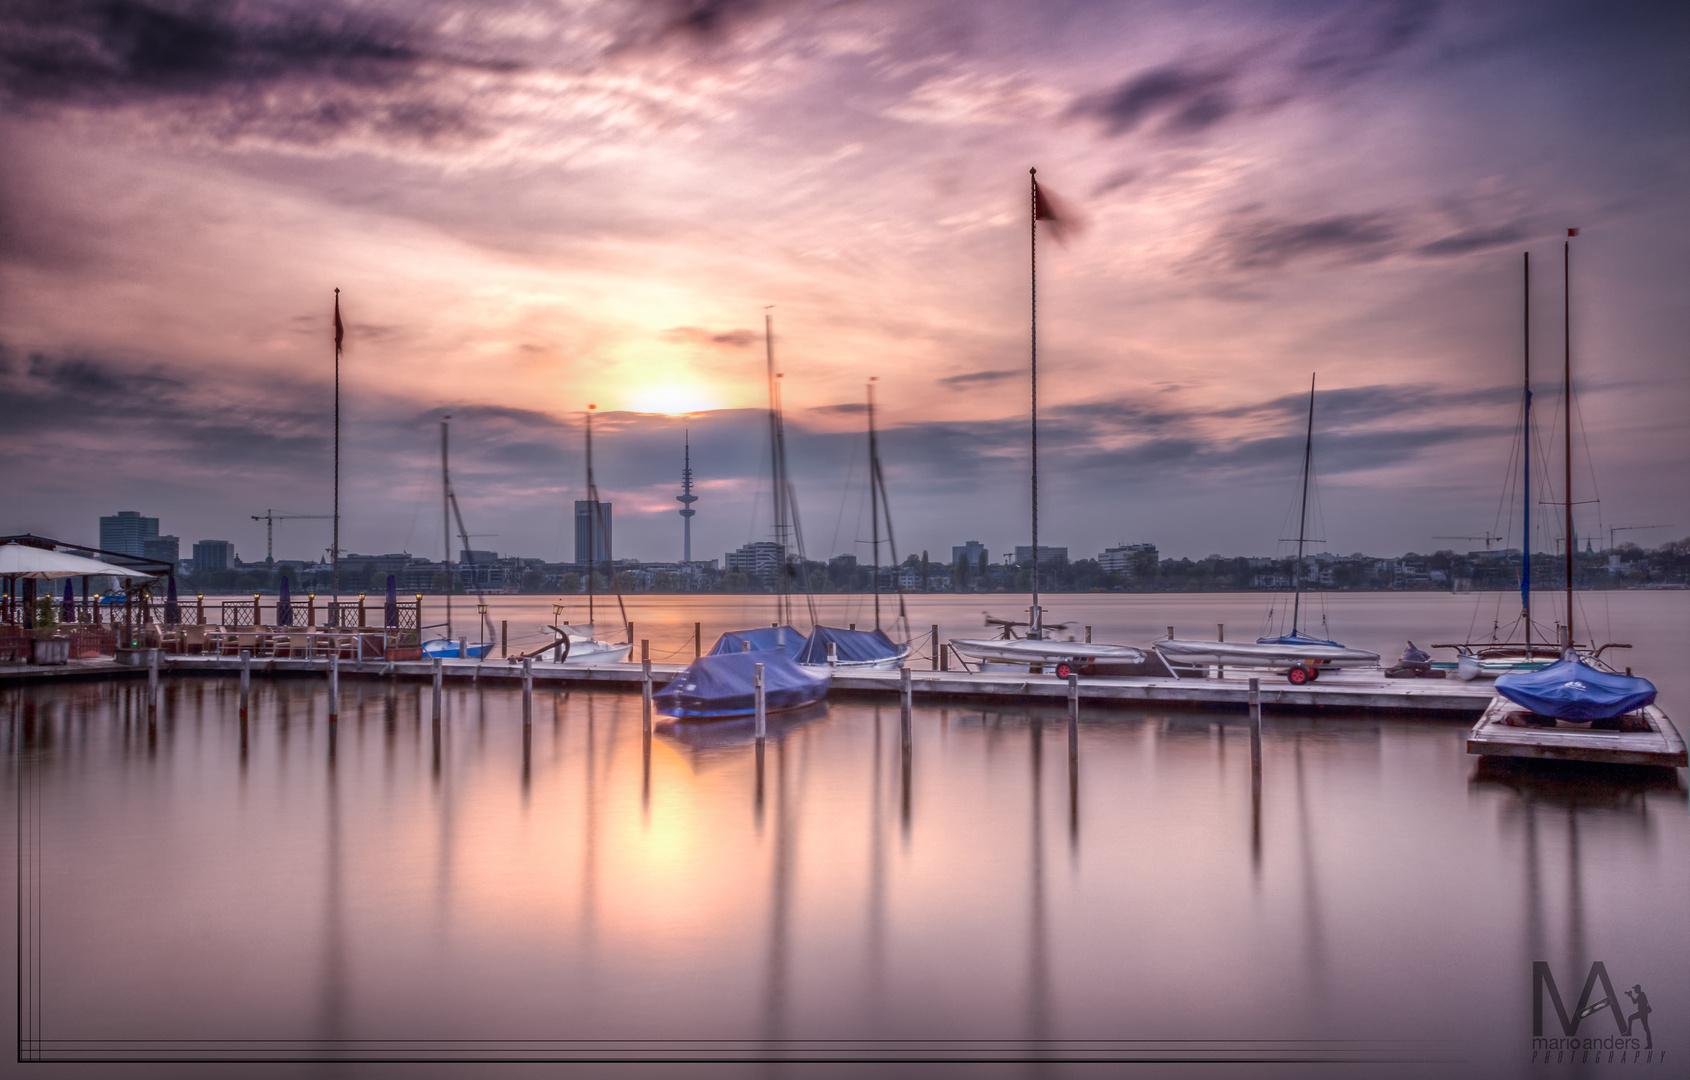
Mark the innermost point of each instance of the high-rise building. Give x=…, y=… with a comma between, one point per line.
x=968, y=553
x=760, y=559
x=213, y=555
x=592, y=532
x=1048, y=556
x=163, y=548
x=127, y=532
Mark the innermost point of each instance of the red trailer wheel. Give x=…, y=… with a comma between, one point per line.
x=1299, y=675
x=1063, y=670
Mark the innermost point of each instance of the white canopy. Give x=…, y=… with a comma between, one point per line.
x=22, y=560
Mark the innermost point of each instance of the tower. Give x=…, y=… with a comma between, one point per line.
x=686, y=498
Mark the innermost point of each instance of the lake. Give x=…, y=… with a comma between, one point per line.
x=378, y=890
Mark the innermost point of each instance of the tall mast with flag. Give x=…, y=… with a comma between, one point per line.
x=1035, y=618
x=334, y=543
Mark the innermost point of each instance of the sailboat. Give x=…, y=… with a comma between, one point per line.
x=580, y=644
x=1298, y=656
x=846, y=647
x=448, y=646
x=1038, y=649
x=1596, y=714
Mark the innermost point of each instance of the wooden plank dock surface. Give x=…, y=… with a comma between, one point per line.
x=1655, y=741
x=1348, y=691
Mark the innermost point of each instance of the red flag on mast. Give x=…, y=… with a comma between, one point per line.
x=339, y=330
x=1064, y=221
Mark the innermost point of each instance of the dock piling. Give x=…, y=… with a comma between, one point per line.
x=463, y=648
x=645, y=681
x=1088, y=635
x=1220, y=635
x=1073, y=698
x=945, y=657
x=935, y=649
x=1256, y=732
x=334, y=686
x=246, y=680
x=437, y=681
x=833, y=654
x=527, y=692
x=504, y=637
x=762, y=707
x=904, y=694
x=697, y=640
x=152, y=685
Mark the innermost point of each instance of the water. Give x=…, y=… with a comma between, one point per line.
x=370, y=890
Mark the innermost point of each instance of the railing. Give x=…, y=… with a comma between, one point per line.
x=312, y=613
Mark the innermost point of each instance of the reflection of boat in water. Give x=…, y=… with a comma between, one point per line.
x=857, y=649
x=730, y=732
x=1298, y=657
x=724, y=685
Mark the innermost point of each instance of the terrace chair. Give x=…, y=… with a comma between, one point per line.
x=193, y=639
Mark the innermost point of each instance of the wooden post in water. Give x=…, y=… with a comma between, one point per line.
x=761, y=706
x=527, y=692
x=504, y=637
x=1170, y=633
x=1256, y=734
x=334, y=686
x=1073, y=701
x=463, y=648
x=1088, y=635
x=697, y=640
x=833, y=654
x=904, y=695
x=853, y=626
x=246, y=680
x=152, y=685
x=645, y=681
x=935, y=649
x=1073, y=756
x=945, y=657
x=437, y=681
x=1220, y=635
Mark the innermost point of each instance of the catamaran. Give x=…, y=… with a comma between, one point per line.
x=1298, y=656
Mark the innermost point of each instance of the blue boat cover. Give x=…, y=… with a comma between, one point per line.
x=722, y=684
x=850, y=645
x=449, y=649
x=763, y=637
x=1570, y=690
x=1296, y=637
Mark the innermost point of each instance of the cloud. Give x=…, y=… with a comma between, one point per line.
x=698, y=335
x=1188, y=98
x=1268, y=243
x=1362, y=37
x=1474, y=240
x=977, y=378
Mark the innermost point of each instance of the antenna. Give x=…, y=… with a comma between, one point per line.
x=686, y=498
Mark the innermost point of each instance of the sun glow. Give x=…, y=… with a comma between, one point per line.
x=673, y=397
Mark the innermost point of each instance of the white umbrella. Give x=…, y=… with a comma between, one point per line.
x=24, y=561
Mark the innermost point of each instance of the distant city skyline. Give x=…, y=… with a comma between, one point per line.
x=526, y=216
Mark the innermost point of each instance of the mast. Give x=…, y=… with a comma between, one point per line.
x=1035, y=628
x=595, y=523
x=777, y=470
x=1567, y=404
x=446, y=521
x=1303, y=519
x=1526, y=439
x=874, y=502
x=334, y=546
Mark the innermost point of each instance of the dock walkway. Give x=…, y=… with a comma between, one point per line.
x=1348, y=691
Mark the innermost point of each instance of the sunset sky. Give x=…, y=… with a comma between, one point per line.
x=531, y=206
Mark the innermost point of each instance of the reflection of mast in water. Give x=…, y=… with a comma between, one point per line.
x=876, y=879
x=333, y=997
x=780, y=904
x=1314, y=932
x=1038, y=950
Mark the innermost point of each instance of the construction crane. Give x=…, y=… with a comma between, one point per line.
x=1489, y=538
x=269, y=518
x=1628, y=528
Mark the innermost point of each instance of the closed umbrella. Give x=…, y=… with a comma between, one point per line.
x=284, y=607
x=392, y=612
x=69, y=613
x=172, y=613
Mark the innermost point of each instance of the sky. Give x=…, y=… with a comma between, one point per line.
x=533, y=207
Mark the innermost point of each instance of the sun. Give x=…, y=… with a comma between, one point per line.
x=673, y=397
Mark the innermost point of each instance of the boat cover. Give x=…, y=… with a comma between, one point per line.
x=1571, y=690
x=851, y=646
x=763, y=637
x=722, y=684
x=1296, y=637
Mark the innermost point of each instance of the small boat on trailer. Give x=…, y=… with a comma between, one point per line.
x=723, y=686
x=1067, y=657
x=1571, y=711
x=1300, y=658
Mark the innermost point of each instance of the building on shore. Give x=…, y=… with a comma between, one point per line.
x=127, y=532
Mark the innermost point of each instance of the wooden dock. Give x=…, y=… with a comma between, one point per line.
x=1348, y=692
x=1647, y=737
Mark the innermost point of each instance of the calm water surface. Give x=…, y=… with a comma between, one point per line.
x=1384, y=897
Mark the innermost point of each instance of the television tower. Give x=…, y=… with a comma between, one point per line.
x=686, y=498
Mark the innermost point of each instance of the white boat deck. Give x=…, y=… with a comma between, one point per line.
x=1651, y=739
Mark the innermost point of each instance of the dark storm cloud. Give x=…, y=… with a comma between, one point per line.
x=1187, y=98
x=977, y=378
x=1267, y=243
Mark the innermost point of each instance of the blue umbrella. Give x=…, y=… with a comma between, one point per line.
x=392, y=612
x=284, y=607
x=172, y=613
x=70, y=603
